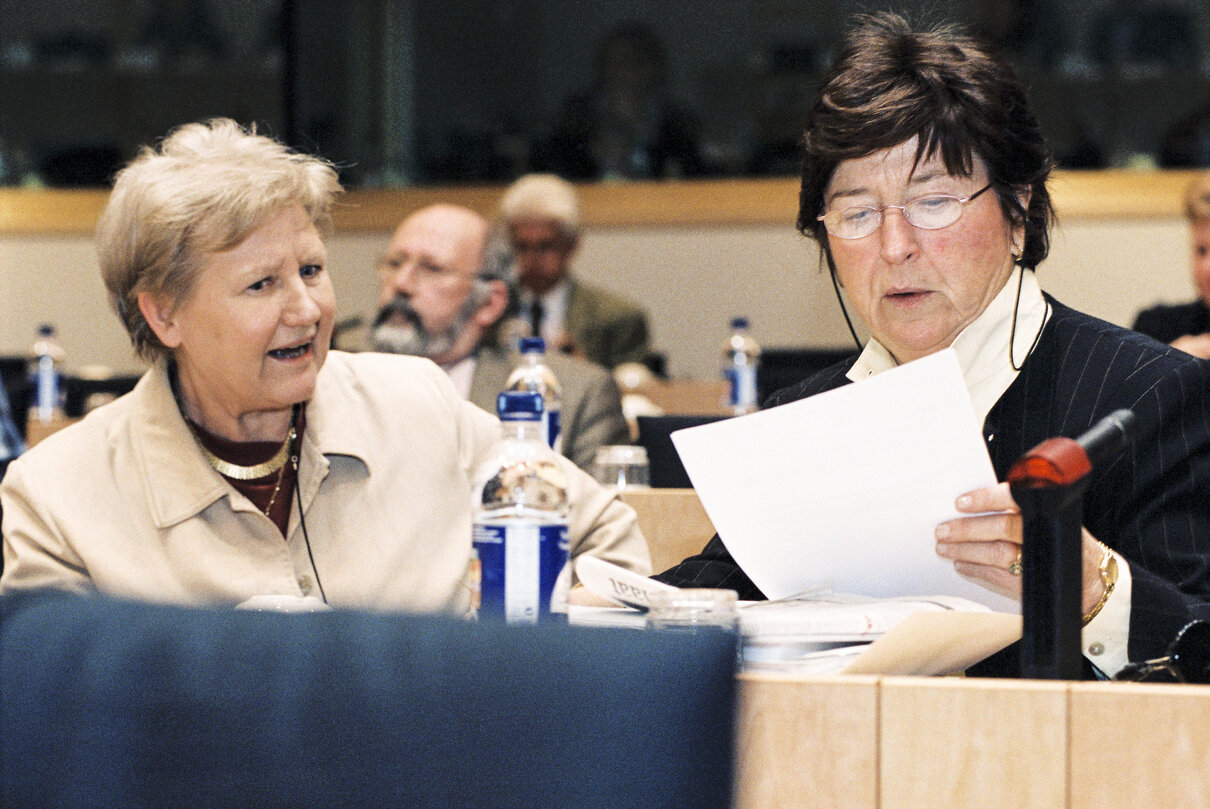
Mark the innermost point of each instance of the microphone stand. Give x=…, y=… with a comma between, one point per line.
x=1051, y=572
x=1048, y=485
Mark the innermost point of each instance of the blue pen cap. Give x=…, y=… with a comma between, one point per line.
x=532, y=344
x=515, y=405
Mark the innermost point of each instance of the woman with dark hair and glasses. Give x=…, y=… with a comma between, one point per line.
x=924, y=182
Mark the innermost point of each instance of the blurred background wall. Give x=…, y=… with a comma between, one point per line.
x=404, y=94
x=692, y=279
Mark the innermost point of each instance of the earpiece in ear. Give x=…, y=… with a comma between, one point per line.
x=481, y=290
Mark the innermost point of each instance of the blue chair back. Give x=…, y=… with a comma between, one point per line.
x=112, y=703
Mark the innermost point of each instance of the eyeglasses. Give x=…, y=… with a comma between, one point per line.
x=1187, y=661
x=933, y=212
x=544, y=246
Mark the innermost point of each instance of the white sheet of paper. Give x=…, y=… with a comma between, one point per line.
x=617, y=583
x=847, y=487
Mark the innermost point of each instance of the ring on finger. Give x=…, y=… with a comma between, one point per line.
x=1015, y=567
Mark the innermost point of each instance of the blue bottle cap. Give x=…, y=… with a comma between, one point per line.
x=739, y=322
x=515, y=405
x=532, y=344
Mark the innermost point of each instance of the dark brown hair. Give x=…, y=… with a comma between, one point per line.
x=889, y=83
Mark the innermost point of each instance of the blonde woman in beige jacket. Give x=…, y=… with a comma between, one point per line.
x=250, y=460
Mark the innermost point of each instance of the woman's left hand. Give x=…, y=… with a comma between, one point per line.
x=986, y=546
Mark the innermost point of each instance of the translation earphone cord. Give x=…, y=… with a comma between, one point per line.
x=302, y=521
x=1012, y=334
x=844, y=311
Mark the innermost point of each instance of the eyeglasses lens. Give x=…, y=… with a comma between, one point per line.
x=933, y=213
x=928, y=213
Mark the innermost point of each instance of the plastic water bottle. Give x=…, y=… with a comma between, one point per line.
x=741, y=358
x=520, y=523
x=533, y=375
x=46, y=374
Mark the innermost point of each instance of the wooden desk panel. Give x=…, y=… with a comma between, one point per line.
x=673, y=521
x=687, y=397
x=36, y=430
x=807, y=743
x=953, y=742
x=956, y=743
x=1140, y=745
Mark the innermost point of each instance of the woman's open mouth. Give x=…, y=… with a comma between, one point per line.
x=908, y=295
x=290, y=353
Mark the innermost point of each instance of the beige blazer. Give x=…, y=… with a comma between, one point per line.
x=124, y=502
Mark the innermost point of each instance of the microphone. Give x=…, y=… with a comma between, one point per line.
x=1108, y=436
x=1063, y=461
x=1048, y=484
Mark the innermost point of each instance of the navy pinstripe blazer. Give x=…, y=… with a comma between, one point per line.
x=1151, y=504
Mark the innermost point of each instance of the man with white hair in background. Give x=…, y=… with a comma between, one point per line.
x=541, y=214
x=441, y=297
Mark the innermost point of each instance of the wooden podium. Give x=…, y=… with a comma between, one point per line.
x=864, y=742
x=943, y=743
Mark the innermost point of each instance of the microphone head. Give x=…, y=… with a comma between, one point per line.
x=1108, y=436
x=1064, y=461
x=1125, y=421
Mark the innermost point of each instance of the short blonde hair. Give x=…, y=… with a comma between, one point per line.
x=542, y=196
x=1197, y=198
x=205, y=188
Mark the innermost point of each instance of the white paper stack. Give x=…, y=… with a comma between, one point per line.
x=825, y=633
x=820, y=632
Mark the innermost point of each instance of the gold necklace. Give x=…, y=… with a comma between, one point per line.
x=281, y=473
x=260, y=470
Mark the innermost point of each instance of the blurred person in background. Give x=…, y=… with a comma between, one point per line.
x=626, y=125
x=541, y=215
x=1187, y=325
x=250, y=460
x=11, y=443
x=1150, y=33
x=442, y=296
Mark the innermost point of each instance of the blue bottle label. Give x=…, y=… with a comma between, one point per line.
x=550, y=419
x=46, y=386
x=520, y=563
x=742, y=382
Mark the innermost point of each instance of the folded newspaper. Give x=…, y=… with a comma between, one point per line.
x=821, y=632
